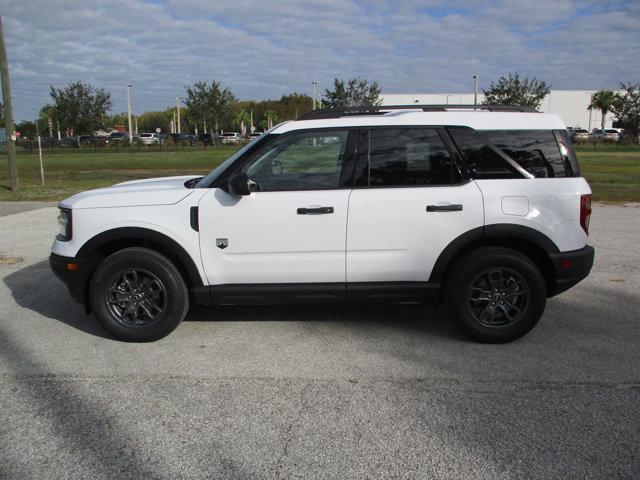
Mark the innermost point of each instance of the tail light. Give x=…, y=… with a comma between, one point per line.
x=585, y=212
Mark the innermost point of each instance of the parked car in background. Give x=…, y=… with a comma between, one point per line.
x=120, y=136
x=254, y=135
x=580, y=135
x=150, y=138
x=68, y=142
x=230, y=137
x=611, y=135
x=208, y=139
x=183, y=139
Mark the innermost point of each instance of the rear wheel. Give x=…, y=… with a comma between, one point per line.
x=496, y=294
x=137, y=294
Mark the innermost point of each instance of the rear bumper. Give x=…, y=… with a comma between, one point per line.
x=571, y=267
x=75, y=280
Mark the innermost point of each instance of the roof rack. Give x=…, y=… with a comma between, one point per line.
x=382, y=109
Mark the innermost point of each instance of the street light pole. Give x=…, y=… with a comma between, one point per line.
x=315, y=85
x=129, y=112
x=178, y=109
x=475, y=90
x=448, y=95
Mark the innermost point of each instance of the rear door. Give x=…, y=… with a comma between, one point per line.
x=410, y=201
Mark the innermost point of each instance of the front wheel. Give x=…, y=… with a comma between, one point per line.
x=496, y=294
x=138, y=295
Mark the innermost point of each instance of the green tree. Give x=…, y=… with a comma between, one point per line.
x=269, y=119
x=626, y=107
x=210, y=103
x=149, y=121
x=243, y=120
x=355, y=92
x=27, y=129
x=117, y=119
x=80, y=107
x=292, y=106
x=513, y=90
x=602, y=100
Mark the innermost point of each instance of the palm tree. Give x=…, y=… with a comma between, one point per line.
x=603, y=101
x=242, y=119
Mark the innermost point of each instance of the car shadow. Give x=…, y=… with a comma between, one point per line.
x=35, y=288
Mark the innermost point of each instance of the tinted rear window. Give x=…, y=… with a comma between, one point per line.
x=408, y=157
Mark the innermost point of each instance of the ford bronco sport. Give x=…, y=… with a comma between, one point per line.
x=479, y=207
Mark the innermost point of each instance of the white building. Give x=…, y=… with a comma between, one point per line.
x=571, y=105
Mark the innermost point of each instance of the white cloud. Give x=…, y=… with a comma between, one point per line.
x=264, y=49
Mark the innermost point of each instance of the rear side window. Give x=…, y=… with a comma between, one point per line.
x=483, y=161
x=536, y=151
x=408, y=157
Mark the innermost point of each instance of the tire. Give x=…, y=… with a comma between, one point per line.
x=138, y=295
x=496, y=294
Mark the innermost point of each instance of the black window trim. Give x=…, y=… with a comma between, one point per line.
x=350, y=153
x=456, y=157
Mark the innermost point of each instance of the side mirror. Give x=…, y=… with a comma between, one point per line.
x=238, y=184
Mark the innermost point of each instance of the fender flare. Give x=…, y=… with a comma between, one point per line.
x=497, y=230
x=138, y=233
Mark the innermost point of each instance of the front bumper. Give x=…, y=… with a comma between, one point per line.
x=571, y=267
x=74, y=278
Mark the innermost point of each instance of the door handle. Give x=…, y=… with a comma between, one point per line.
x=314, y=210
x=444, y=208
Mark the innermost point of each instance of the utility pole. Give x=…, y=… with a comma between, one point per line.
x=129, y=111
x=315, y=85
x=475, y=90
x=178, y=109
x=8, y=113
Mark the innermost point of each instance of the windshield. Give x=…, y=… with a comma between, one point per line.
x=215, y=173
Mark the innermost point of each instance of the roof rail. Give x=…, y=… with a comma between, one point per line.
x=382, y=109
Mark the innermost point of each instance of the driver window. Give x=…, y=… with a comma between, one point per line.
x=300, y=161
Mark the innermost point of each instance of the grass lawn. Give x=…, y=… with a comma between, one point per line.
x=614, y=174
x=69, y=173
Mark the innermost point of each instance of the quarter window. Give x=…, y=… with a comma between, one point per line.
x=483, y=161
x=300, y=161
x=409, y=157
x=534, y=150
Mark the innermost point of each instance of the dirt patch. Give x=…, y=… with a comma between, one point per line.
x=9, y=260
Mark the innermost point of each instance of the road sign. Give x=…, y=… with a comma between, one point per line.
x=158, y=130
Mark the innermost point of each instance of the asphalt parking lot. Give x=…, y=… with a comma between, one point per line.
x=319, y=392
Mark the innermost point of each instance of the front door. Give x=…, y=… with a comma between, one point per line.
x=290, y=230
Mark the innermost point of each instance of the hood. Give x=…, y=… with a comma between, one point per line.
x=151, y=191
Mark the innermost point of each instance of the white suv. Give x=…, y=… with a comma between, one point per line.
x=481, y=208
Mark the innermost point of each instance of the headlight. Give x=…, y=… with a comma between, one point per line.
x=64, y=225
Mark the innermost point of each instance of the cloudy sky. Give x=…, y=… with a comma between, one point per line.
x=262, y=49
